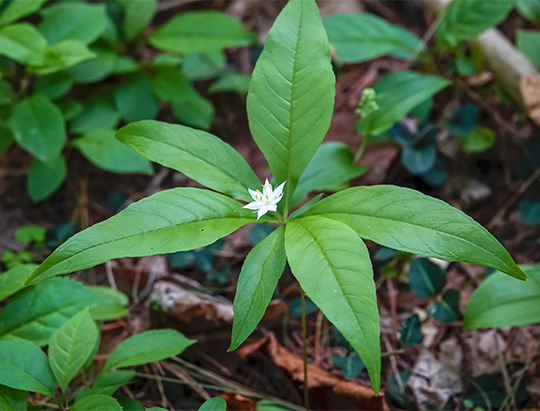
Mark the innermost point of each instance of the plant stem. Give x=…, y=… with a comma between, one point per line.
x=304, y=349
x=361, y=149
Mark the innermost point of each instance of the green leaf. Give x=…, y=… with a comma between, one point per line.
x=237, y=82
x=419, y=160
x=291, y=94
x=113, y=306
x=134, y=350
x=411, y=330
x=173, y=220
x=37, y=312
x=332, y=265
x=137, y=16
x=332, y=166
x=426, y=279
x=62, y=55
x=528, y=43
x=102, y=63
x=407, y=220
x=214, y=404
x=71, y=346
x=463, y=120
x=108, y=383
x=25, y=367
x=106, y=152
x=54, y=85
x=98, y=115
x=501, y=301
x=97, y=402
x=44, y=178
x=38, y=126
x=204, y=65
x=30, y=234
x=6, y=139
x=256, y=284
x=359, y=37
x=259, y=232
x=188, y=106
x=12, y=399
x=530, y=9
x=529, y=211
x=13, y=279
x=23, y=43
x=465, y=19
x=446, y=310
x=135, y=98
x=73, y=20
x=199, y=155
x=350, y=366
x=70, y=107
x=17, y=9
x=478, y=140
x=409, y=88
x=201, y=31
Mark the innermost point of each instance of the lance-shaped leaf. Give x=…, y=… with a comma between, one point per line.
x=407, y=220
x=256, y=284
x=173, y=220
x=332, y=265
x=291, y=94
x=198, y=154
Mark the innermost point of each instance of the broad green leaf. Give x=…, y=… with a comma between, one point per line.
x=108, y=383
x=37, y=312
x=407, y=220
x=447, y=309
x=17, y=9
x=199, y=155
x=332, y=166
x=411, y=330
x=102, y=64
x=409, y=88
x=6, y=94
x=332, y=265
x=501, y=301
x=135, y=98
x=465, y=19
x=237, y=82
x=38, y=126
x=97, y=402
x=204, y=65
x=530, y=9
x=528, y=43
x=13, y=279
x=419, y=160
x=24, y=366
x=291, y=94
x=137, y=16
x=73, y=20
x=529, y=211
x=426, y=279
x=359, y=37
x=214, y=404
x=44, y=178
x=70, y=107
x=188, y=106
x=106, y=152
x=125, y=65
x=267, y=405
x=98, y=115
x=256, y=285
x=173, y=220
x=23, y=43
x=463, y=120
x=201, y=31
x=6, y=139
x=12, y=399
x=350, y=366
x=71, y=345
x=54, y=85
x=113, y=306
x=134, y=350
x=64, y=54
x=478, y=140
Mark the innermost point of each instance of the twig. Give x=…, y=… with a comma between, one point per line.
x=304, y=349
x=110, y=275
x=505, y=375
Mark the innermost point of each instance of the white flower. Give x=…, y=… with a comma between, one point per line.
x=265, y=201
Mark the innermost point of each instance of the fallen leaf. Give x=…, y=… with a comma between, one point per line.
x=238, y=402
x=530, y=92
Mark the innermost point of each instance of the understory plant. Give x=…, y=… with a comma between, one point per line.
x=290, y=103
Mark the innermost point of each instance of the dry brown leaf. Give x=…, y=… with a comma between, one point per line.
x=530, y=92
x=238, y=402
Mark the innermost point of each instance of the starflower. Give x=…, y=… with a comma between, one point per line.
x=265, y=201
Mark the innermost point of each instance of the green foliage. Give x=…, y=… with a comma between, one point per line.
x=528, y=43
x=24, y=366
x=411, y=330
x=128, y=97
x=134, y=350
x=137, y=15
x=113, y=304
x=426, y=279
x=465, y=19
x=23, y=43
x=201, y=31
x=108, y=383
x=291, y=94
x=409, y=88
x=478, y=140
x=13, y=279
x=447, y=309
x=44, y=178
x=256, y=284
x=361, y=37
x=341, y=284
x=529, y=211
x=17, y=9
x=351, y=366
x=12, y=399
x=501, y=301
x=214, y=404
x=98, y=115
x=237, y=82
x=97, y=402
x=530, y=9
x=71, y=345
x=30, y=234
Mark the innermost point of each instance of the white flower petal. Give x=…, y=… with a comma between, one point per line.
x=254, y=194
x=254, y=205
x=278, y=192
x=262, y=211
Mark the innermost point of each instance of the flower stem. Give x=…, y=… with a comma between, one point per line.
x=361, y=149
x=304, y=349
